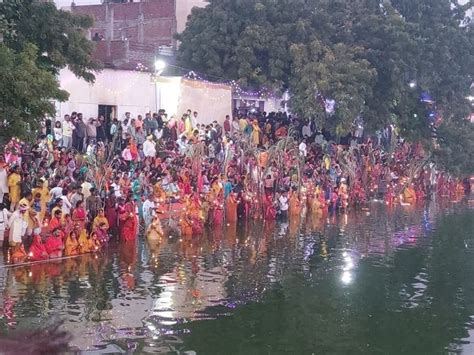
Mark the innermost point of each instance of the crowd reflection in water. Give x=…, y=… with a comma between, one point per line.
x=172, y=280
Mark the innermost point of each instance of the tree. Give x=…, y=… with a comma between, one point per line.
x=38, y=40
x=26, y=92
x=364, y=55
x=337, y=75
x=455, y=149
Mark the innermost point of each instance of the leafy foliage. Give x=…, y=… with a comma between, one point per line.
x=456, y=147
x=361, y=54
x=38, y=40
x=25, y=92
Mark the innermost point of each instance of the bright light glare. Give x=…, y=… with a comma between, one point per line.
x=346, y=278
x=349, y=264
x=160, y=65
x=412, y=84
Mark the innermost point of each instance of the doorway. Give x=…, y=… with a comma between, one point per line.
x=109, y=112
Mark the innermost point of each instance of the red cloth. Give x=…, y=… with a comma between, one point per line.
x=79, y=214
x=53, y=244
x=54, y=223
x=227, y=126
x=128, y=217
x=38, y=250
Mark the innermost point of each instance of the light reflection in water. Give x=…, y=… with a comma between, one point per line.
x=148, y=298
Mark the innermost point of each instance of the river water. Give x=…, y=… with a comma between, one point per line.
x=385, y=282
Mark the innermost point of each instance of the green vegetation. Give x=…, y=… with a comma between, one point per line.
x=38, y=40
x=374, y=58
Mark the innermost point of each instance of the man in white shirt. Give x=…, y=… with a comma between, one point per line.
x=116, y=186
x=149, y=147
x=67, y=206
x=182, y=145
x=303, y=149
x=68, y=127
x=194, y=119
x=55, y=193
x=3, y=181
x=86, y=189
x=148, y=210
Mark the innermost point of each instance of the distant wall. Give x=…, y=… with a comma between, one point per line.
x=130, y=91
x=212, y=101
x=135, y=92
x=152, y=22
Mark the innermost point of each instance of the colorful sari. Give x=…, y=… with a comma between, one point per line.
x=129, y=222
x=231, y=208
x=79, y=217
x=72, y=247
x=84, y=245
x=98, y=221
x=54, y=246
x=38, y=250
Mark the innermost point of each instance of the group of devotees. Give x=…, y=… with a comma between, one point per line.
x=83, y=182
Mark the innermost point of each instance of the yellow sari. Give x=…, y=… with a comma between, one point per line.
x=71, y=246
x=98, y=221
x=84, y=245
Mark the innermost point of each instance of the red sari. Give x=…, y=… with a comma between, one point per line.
x=38, y=250
x=54, y=223
x=128, y=218
x=54, y=246
x=79, y=216
x=111, y=212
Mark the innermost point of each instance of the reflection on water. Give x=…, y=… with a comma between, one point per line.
x=396, y=281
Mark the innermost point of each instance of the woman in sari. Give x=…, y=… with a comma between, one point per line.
x=255, y=133
x=38, y=250
x=100, y=234
x=54, y=244
x=55, y=222
x=111, y=211
x=18, y=254
x=295, y=204
x=72, y=244
x=186, y=226
x=129, y=221
x=14, y=180
x=154, y=231
x=84, y=245
x=218, y=210
x=195, y=215
x=79, y=215
x=231, y=208
x=100, y=220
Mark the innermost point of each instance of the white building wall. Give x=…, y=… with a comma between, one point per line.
x=137, y=93
x=129, y=91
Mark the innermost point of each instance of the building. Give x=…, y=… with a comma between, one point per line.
x=131, y=34
x=116, y=92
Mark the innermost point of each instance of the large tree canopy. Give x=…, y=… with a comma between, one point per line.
x=38, y=40
x=364, y=55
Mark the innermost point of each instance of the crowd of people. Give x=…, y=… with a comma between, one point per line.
x=81, y=183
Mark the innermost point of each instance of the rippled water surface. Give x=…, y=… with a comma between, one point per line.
x=388, y=282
